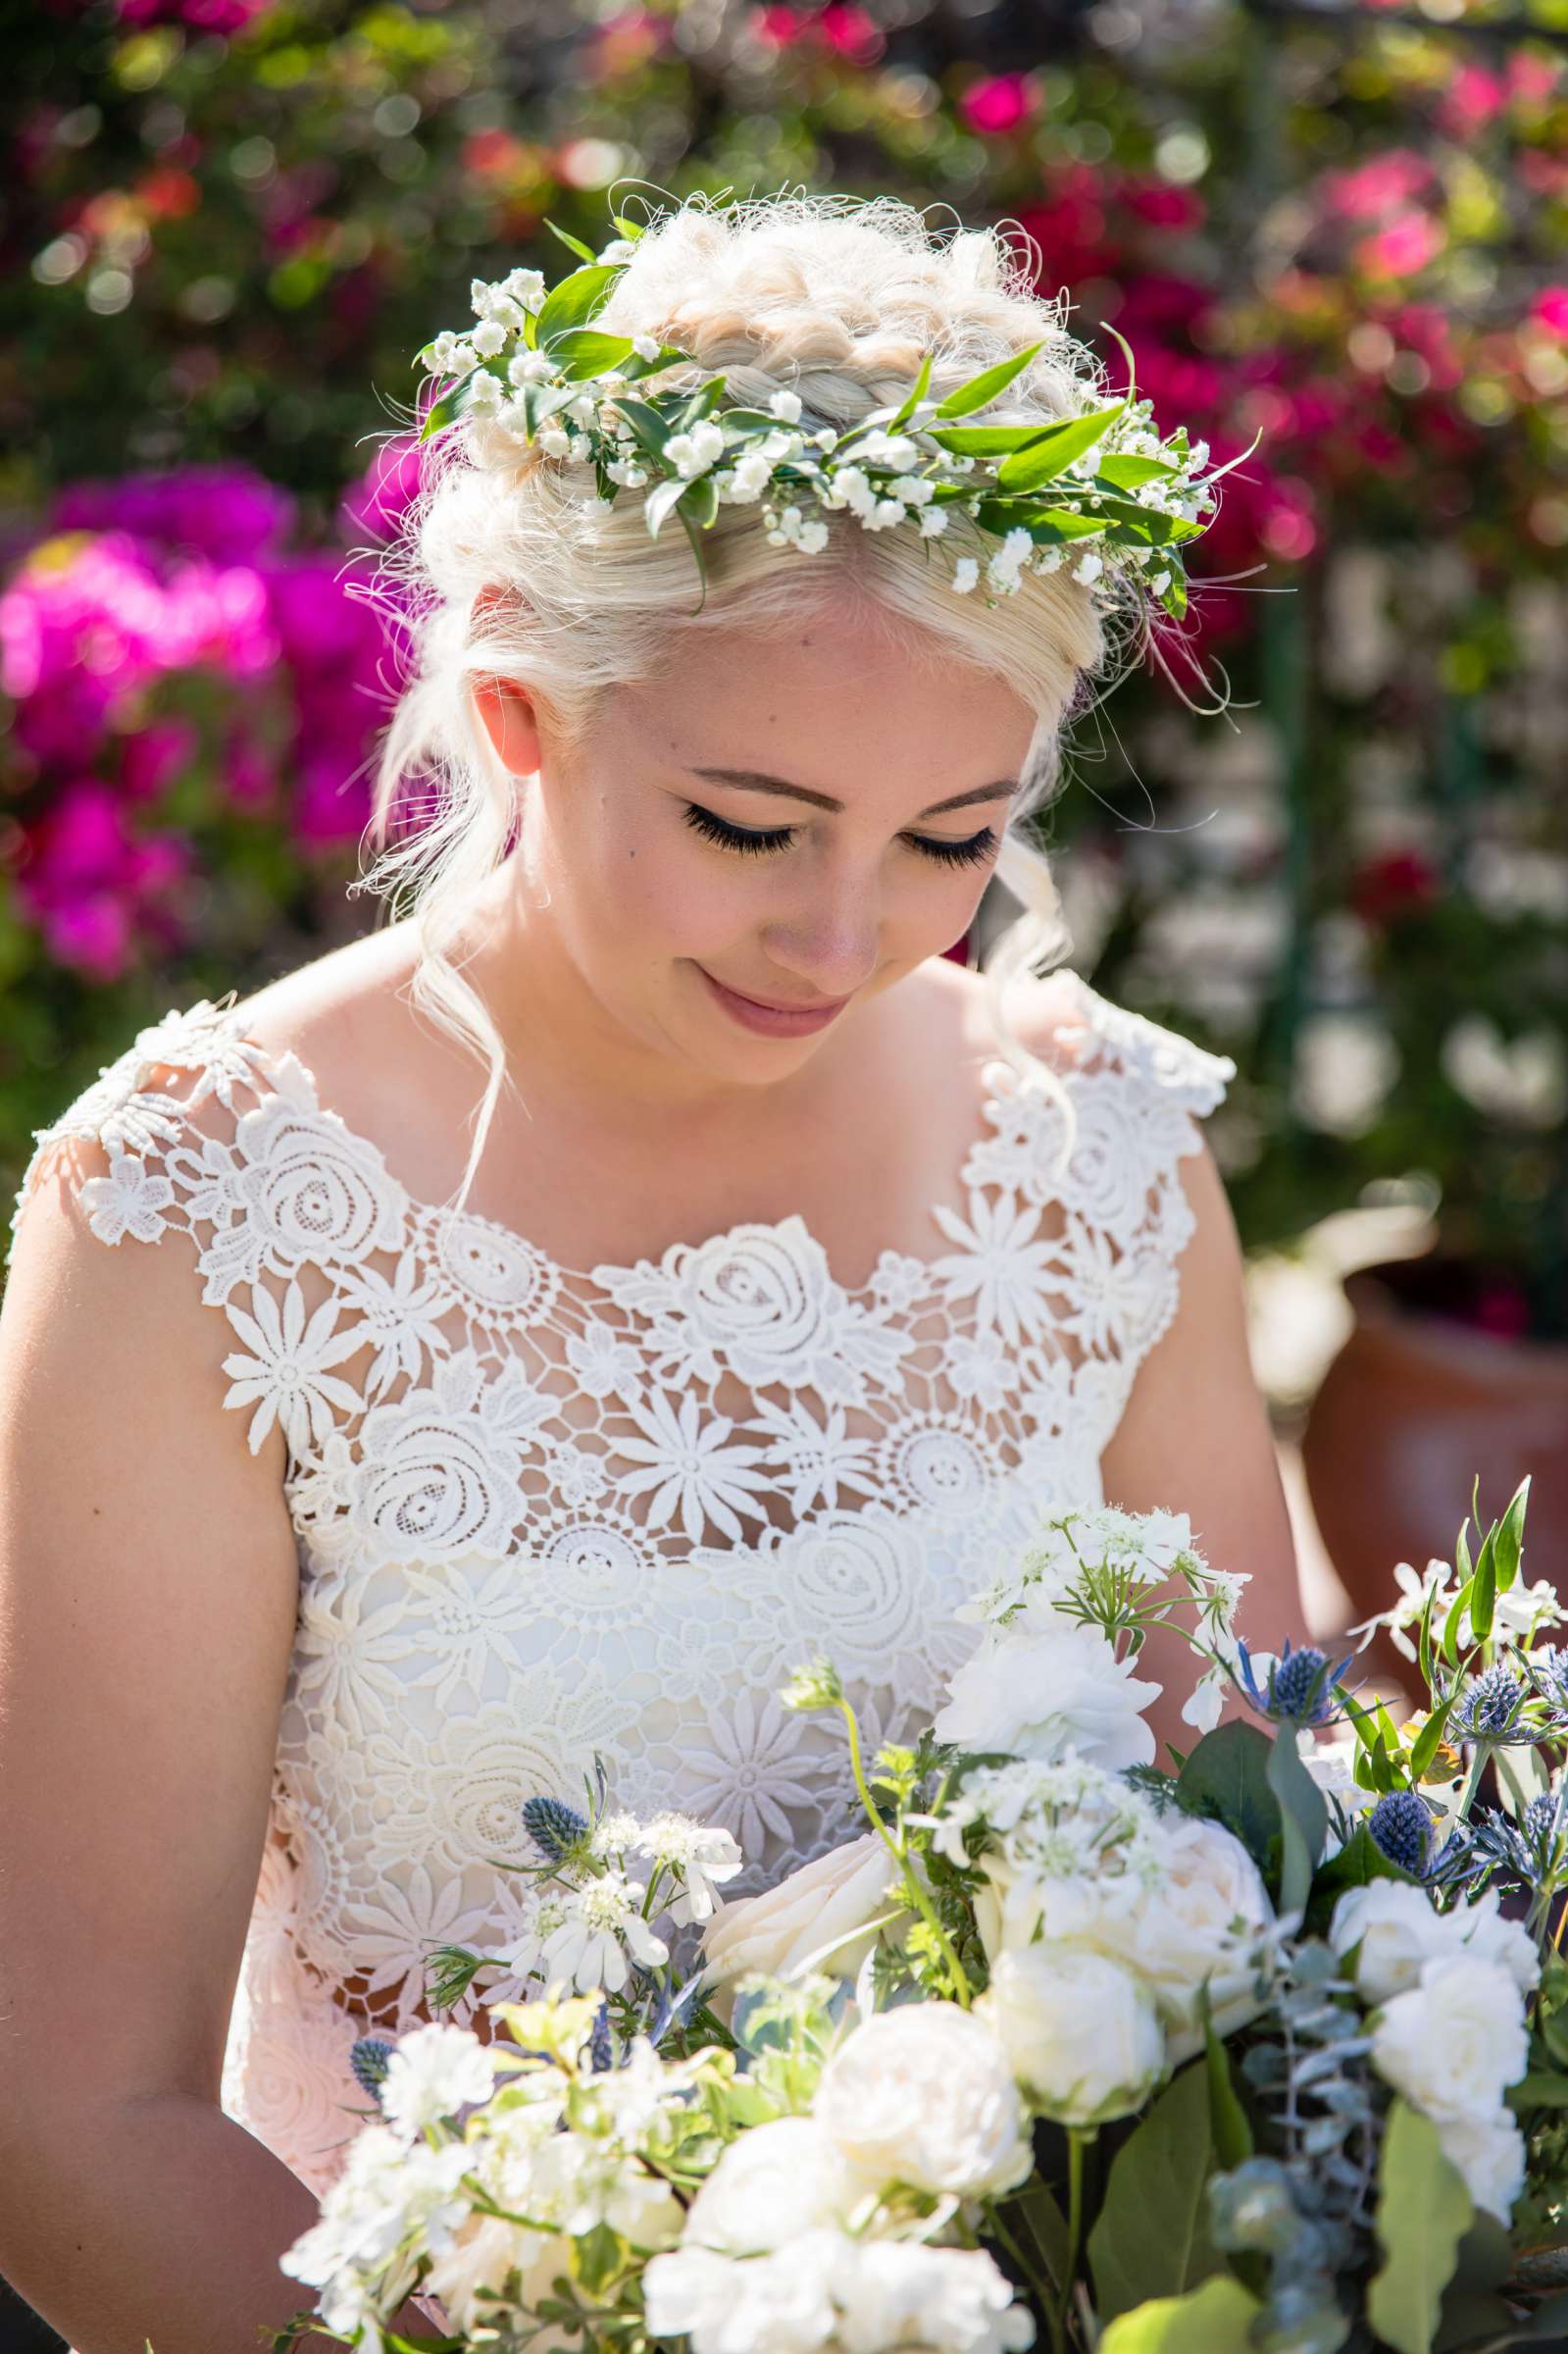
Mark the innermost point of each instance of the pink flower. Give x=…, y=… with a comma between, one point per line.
x=1551, y=309
x=1405, y=247
x=1000, y=104
x=89, y=884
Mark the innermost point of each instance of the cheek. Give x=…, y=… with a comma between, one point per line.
x=664, y=895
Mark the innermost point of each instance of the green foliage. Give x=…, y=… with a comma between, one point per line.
x=1424, y=2211
x=1216, y=2319
x=1226, y=1776
x=1151, y=2237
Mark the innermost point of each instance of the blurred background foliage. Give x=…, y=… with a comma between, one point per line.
x=229, y=224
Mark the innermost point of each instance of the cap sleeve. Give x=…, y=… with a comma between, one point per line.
x=142, y=1110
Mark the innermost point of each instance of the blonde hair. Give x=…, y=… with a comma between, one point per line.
x=837, y=299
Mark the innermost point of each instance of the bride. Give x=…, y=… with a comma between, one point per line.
x=531, y=1330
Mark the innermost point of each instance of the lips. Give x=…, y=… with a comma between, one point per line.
x=785, y=1005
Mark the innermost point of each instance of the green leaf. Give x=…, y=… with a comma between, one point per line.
x=1055, y=452
x=1129, y=473
x=1358, y=1862
x=660, y=503
x=597, y=2255
x=1229, y=2128
x=584, y=253
x=1305, y=1818
x=1425, y=1746
x=1216, y=2319
x=1542, y=2088
x=646, y=422
x=1050, y=530
x=630, y=230
x=986, y=386
x=1424, y=2213
x=702, y=500
x=1151, y=2238
x=583, y=352
x=574, y=302
x=915, y=395
x=1484, y=1588
x=987, y=440
x=1227, y=1776
x=1511, y=1536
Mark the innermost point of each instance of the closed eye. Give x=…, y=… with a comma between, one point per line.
x=757, y=842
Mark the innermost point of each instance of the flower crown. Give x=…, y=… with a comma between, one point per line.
x=534, y=366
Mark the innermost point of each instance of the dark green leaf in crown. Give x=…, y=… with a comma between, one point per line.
x=536, y=367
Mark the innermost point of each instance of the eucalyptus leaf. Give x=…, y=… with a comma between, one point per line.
x=1424, y=2213
x=1217, y=2319
x=1151, y=2237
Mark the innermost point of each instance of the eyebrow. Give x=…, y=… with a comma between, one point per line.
x=755, y=779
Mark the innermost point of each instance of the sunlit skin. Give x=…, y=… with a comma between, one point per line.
x=621, y=898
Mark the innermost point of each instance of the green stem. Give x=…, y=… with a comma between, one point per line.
x=962, y=1990
x=1077, y=2143
x=1039, y=2291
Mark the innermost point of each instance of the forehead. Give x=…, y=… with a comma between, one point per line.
x=824, y=698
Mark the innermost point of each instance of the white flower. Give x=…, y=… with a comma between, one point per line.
x=771, y=2184
x=966, y=572
x=923, y=2094
x=286, y=1374
x=1329, y=1760
x=524, y=286
x=698, y=1854
x=1039, y=1695
x=1455, y=2042
x=1490, y=2153
x=1412, y=1601
x=785, y=405
x=1089, y=567
x=388, y=2189
x=1080, y=2030
x=817, y=1918
x=482, y=2256
x=603, y=1924
x=1399, y=1930
x=554, y=440
x=824, y=2290
x=619, y=249
x=130, y=1201
x=433, y=2072
x=646, y=347
x=693, y=453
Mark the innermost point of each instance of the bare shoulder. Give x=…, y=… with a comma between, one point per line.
x=1044, y=1012
x=345, y=1014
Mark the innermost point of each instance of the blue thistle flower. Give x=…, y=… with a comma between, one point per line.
x=601, y=2044
x=1401, y=1828
x=553, y=1825
x=369, y=2058
x=1300, y=1689
x=1489, y=1710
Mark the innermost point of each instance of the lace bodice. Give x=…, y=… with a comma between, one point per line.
x=543, y=1512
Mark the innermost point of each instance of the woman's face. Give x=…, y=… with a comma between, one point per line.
x=749, y=848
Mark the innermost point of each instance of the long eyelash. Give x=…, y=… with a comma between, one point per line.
x=757, y=842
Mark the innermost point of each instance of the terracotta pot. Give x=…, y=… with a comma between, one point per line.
x=1415, y=1407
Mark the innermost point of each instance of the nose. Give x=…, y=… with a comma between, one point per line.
x=828, y=943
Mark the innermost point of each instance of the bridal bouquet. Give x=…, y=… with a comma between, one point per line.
x=1266, y=2048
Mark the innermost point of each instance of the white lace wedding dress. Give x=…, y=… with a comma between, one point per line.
x=543, y=1512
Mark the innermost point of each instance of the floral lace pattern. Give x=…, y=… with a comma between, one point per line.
x=544, y=1512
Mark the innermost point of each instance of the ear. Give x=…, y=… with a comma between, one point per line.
x=505, y=708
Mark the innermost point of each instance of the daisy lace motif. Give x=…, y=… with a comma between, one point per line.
x=544, y=1512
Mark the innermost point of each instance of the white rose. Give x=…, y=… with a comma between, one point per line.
x=1201, y=1925
x=771, y=2184
x=1490, y=2153
x=1038, y=1695
x=924, y=2094
x=1455, y=2043
x=481, y=2255
x=1400, y=1930
x=827, y=1904
x=1080, y=2031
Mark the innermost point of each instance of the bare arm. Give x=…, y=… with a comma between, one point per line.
x=1196, y=1439
x=147, y=1602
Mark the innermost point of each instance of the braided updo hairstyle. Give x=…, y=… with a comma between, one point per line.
x=504, y=568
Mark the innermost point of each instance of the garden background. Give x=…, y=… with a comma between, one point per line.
x=231, y=225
